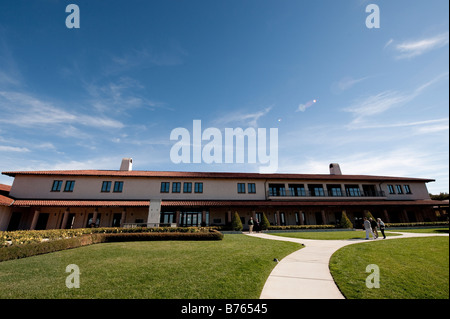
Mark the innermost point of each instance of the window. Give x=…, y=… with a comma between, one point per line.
x=334, y=190
x=241, y=188
x=399, y=189
x=57, y=186
x=297, y=190
x=391, y=189
x=352, y=190
x=251, y=188
x=316, y=190
x=106, y=186
x=277, y=190
x=118, y=186
x=165, y=187
x=198, y=187
x=187, y=187
x=176, y=187
x=407, y=189
x=69, y=186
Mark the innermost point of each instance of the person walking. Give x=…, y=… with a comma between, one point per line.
x=368, y=228
x=381, y=226
x=256, y=228
x=250, y=225
x=374, y=226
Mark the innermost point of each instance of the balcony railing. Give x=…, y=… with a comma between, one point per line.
x=323, y=193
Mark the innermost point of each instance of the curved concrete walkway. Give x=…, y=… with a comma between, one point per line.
x=305, y=274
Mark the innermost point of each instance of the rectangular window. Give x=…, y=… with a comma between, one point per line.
x=118, y=186
x=165, y=187
x=176, y=187
x=198, y=187
x=399, y=189
x=334, y=190
x=316, y=190
x=69, y=186
x=407, y=189
x=297, y=190
x=56, y=187
x=106, y=186
x=187, y=187
x=251, y=188
x=277, y=190
x=241, y=188
x=391, y=189
x=352, y=190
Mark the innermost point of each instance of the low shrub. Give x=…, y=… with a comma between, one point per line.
x=38, y=248
x=419, y=224
x=301, y=227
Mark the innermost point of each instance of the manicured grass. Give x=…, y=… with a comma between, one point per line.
x=234, y=268
x=410, y=268
x=438, y=230
x=331, y=235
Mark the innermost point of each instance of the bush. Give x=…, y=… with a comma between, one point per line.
x=264, y=222
x=236, y=223
x=37, y=248
x=298, y=227
x=419, y=224
x=345, y=222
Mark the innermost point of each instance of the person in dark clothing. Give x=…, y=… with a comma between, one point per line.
x=381, y=226
x=374, y=226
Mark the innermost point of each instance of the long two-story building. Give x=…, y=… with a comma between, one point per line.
x=114, y=198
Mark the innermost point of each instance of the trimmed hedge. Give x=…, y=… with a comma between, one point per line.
x=302, y=227
x=419, y=224
x=32, y=249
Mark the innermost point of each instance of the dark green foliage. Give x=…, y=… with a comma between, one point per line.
x=236, y=223
x=264, y=222
x=345, y=222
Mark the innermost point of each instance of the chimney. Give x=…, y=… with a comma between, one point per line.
x=335, y=169
x=127, y=164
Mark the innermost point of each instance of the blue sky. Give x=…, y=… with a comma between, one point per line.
x=135, y=70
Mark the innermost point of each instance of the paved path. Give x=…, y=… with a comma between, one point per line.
x=305, y=274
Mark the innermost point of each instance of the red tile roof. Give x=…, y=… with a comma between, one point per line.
x=168, y=174
x=5, y=188
x=83, y=203
x=214, y=203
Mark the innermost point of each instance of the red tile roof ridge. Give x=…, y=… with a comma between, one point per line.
x=175, y=174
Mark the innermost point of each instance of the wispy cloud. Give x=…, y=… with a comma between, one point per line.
x=413, y=48
x=4, y=148
x=25, y=110
x=364, y=108
x=243, y=118
x=346, y=83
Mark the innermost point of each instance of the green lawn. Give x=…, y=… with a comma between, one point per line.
x=234, y=268
x=410, y=268
x=331, y=235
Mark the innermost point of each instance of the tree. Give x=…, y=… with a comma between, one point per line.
x=441, y=196
x=345, y=222
x=264, y=224
x=368, y=214
x=236, y=223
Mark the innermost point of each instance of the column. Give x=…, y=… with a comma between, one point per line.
x=35, y=219
x=123, y=216
x=65, y=217
x=386, y=216
x=300, y=216
x=324, y=219
x=203, y=218
x=94, y=217
x=405, y=216
x=277, y=218
x=228, y=217
x=177, y=217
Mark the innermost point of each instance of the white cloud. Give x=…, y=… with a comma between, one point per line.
x=24, y=110
x=413, y=48
x=13, y=149
x=364, y=108
x=242, y=118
